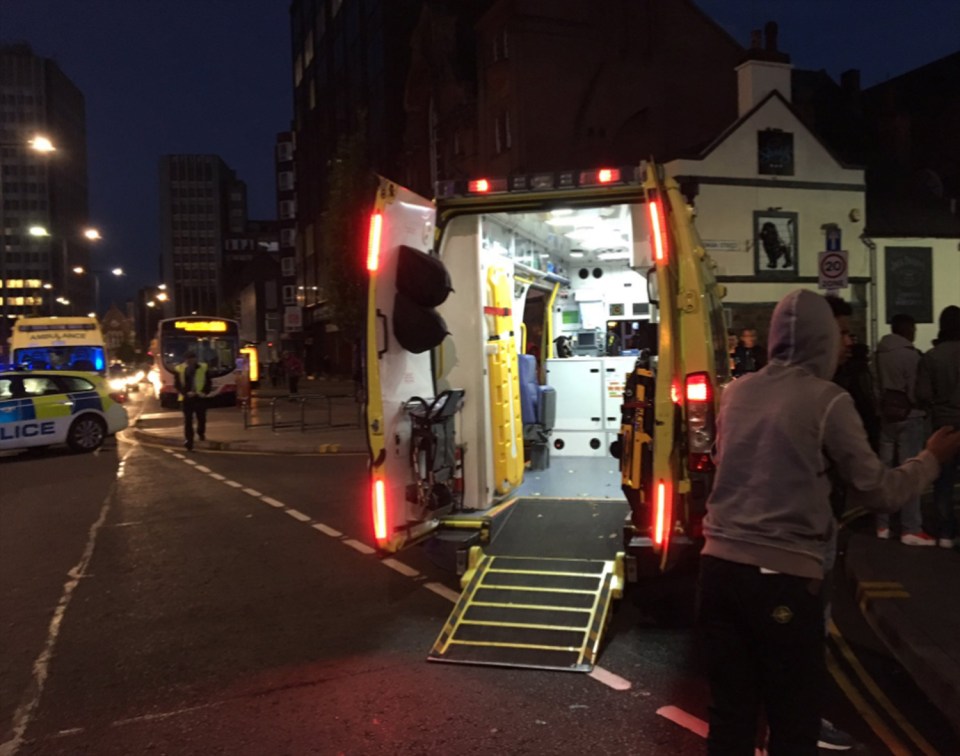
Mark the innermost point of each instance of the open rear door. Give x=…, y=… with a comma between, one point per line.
x=402, y=330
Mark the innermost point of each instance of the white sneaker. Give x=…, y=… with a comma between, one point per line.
x=918, y=539
x=883, y=534
x=945, y=543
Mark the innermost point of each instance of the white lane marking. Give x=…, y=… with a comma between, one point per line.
x=403, y=569
x=686, y=720
x=189, y=461
x=272, y=502
x=41, y=665
x=252, y=492
x=178, y=455
x=442, y=590
x=609, y=679
x=327, y=530
x=361, y=547
x=233, y=484
x=203, y=469
x=169, y=451
x=218, y=476
x=296, y=514
x=689, y=722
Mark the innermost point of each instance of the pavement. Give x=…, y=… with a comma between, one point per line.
x=322, y=418
x=907, y=594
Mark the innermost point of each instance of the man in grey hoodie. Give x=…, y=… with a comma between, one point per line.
x=897, y=362
x=768, y=519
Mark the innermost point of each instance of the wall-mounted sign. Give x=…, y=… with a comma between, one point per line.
x=775, y=153
x=833, y=269
x=775, y=244
x=909, y=276
x=721, y=245
x=292, y=319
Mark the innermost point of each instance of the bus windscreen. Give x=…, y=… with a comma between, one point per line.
x=218, y=351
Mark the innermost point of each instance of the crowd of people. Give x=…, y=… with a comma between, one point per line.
x=815, y=430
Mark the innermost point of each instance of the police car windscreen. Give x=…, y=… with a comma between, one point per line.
x=89, y=358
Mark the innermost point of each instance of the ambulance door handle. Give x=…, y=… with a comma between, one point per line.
x=386, y=334
x=595, y=419
x=594, y=370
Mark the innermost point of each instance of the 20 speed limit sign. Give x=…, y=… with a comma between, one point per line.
x=833, y=269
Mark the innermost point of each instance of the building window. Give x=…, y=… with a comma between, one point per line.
x=285, y=151
x=288, y=237
x=288, y=267
x=289, y=295
x=288, y=209
x=502, y=137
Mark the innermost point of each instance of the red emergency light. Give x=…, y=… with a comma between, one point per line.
x=659, y=528
x=658, y=230
x=379, y=502
x=608, y=175
x=478, y=186
x=373, y=242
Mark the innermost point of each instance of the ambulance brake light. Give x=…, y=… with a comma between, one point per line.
x=379, y=502
x=486, y=186
x=658, y=230
x=373, y=242
x=659, y=529
x=698, y=388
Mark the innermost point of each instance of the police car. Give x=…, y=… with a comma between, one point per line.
x=40, y=408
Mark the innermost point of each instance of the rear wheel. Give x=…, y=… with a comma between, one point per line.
x=86, y=434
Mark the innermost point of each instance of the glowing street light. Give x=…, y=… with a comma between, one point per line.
x=91, y=314
x=117, y=271
x=151, y=303
x=162, y=296
x=79, y=270
x=162, y=287
x=41, y=143
x=92, y=234
x=38, y=231
x=48, y=286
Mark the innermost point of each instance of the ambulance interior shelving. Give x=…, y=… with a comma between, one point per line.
x=600, y=321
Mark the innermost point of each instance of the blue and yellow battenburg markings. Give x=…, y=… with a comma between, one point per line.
x=43, y=412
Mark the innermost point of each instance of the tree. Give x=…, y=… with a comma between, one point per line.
x=343, y=236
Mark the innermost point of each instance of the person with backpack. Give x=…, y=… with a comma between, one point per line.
x=902, y=422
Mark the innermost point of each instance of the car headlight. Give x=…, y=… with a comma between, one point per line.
x=118, y=384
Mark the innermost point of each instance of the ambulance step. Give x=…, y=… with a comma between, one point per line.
x=530, y=612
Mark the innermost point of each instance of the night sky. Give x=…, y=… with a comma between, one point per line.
x=213, y=76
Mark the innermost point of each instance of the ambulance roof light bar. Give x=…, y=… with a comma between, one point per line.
x=538, y=182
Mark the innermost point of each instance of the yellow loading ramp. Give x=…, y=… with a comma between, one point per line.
x=539, y=595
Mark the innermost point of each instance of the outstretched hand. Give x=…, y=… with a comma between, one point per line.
x=944, y=444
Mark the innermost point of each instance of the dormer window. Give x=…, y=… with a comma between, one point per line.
x=774, y=153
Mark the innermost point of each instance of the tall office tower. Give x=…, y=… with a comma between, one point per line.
x=201, y=202
x=43, y=191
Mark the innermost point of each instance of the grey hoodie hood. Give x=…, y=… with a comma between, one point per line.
x=804, y=333
x=893, y=341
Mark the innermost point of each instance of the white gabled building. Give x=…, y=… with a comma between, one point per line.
x=768, y=193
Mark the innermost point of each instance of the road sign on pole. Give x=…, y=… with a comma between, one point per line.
x=832, y=267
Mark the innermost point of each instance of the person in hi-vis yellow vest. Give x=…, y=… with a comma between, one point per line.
x=193, y=384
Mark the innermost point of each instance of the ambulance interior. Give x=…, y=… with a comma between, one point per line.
x=580, y=317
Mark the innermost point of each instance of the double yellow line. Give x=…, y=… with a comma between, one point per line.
x=859, y=701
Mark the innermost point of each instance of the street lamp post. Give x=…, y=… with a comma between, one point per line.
x=39, y=144
x=80, y=270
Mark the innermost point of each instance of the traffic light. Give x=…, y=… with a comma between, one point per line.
x=423, y=283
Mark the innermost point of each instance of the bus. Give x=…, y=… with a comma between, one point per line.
x=58, y=343
x=216, y=341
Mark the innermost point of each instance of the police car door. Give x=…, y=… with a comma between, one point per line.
x=402, y=331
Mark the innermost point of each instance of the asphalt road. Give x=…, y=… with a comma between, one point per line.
x=150, y=605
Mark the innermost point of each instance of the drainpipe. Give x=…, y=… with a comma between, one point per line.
x=874, y=307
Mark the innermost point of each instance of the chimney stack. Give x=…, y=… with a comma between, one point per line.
x=763, y=70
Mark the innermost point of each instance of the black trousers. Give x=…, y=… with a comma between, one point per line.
x=763, y=637
x=194, y=405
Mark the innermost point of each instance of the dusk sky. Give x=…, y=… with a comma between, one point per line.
x=213, y=76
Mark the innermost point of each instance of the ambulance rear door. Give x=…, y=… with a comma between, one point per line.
x=401, y=333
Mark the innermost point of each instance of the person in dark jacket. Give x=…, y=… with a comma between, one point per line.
x=938, y=388
x=749, y=356
x=192, y=380
x=768, y=519
x=856, y=377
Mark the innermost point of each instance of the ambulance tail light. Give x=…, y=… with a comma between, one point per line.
x=701, y=423
x=658, y=229
x=599, y=176
x=662, y=514
x=373, y=242
x=378, y=501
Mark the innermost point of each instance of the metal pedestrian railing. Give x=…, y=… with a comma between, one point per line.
x=303, y=411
